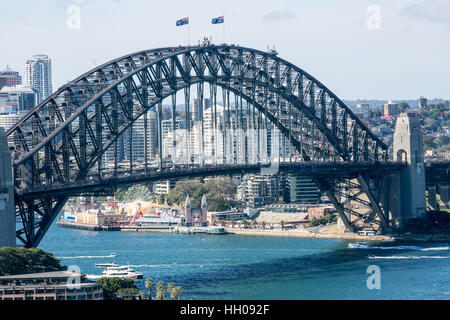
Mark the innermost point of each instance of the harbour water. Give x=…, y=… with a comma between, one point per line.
x=262, y=267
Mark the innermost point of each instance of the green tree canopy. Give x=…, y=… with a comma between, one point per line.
x=113, y=286
x=20, y=260
x=217, y=191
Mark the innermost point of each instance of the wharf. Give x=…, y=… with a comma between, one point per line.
x=88, y=227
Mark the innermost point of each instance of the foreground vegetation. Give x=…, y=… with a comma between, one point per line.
x=219, y=193
x=327, y=219
x=20, y=260
x=126, y=289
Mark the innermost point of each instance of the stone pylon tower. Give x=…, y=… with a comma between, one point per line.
x=187, y=212
x=7, y=212
x=204, y=207
x=408, y=147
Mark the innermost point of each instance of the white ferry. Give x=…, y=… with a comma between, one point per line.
x=106, y=265
x=113, y=270
x=123, y=272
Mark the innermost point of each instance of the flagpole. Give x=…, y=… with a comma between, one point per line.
x=189, y=33
x=223, y=30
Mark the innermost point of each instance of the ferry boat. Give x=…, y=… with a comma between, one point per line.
x=106, y=265
x=123, y=272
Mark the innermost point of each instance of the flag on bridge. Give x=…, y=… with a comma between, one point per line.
x=183, y=21
x=217, y=20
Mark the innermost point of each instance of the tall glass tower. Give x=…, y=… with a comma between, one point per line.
x=39, y=76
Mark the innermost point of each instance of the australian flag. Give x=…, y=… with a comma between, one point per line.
x=217, y=20
x=183, y=21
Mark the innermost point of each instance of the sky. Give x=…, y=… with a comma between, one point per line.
x=377, y=49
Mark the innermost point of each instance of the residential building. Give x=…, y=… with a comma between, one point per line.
x=7, y=120
x=163, y=187
x=423, y=103
x=39, y=76
x=259, y=190
x=391, y=109
x=362, y=110
x=301, y=190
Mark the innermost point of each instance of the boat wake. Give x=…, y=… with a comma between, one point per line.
x=88, y=257
x=408, y=257
x=365, y=246
x=151, y=266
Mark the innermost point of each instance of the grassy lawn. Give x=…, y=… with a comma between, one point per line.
x=333, y=229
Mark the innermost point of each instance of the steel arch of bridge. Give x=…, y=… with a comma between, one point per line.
x=62, y=139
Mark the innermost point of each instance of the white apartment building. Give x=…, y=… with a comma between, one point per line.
x=39, y=76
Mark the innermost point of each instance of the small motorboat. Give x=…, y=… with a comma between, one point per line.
x=359, y=245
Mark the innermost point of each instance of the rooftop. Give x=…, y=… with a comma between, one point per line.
x=8, y=70
x=42, y=275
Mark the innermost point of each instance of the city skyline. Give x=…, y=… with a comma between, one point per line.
x=392, y=54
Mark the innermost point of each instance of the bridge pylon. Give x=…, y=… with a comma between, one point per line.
x=409, y=192
x=7, y=212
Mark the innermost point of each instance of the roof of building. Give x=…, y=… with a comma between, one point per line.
x=8, y=70
x=42, y=275
x=18, y=88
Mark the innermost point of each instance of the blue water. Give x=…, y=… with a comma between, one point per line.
x=254, y=267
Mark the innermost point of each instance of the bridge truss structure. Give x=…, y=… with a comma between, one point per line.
x=262, y=109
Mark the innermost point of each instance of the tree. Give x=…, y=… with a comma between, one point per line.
x=263, y=224
x=160, y=292
x=130, y=294
x=282, y=224
x=111, y=286
x=149, y=285
x=20, y=260
x=218, y=203
x=170, y=287
x=176, y=292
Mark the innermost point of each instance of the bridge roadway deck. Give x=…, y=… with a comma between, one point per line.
x=308, y=169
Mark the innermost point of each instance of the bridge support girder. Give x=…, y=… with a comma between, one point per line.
x=357, y=202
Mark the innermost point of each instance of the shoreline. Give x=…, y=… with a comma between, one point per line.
x=294, y=233
x=347, y=236
x=305, y=234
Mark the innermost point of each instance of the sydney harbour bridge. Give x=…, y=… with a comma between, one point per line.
x=59, y=148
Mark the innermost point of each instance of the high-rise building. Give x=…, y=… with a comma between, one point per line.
x=301, y=190
x=362, y=110
x=17, y=99
x=391, y=109
x=259, y=190
x=7, y=120
x=196, y=112
x=423, y=102
x=39, y=75
x=9, y=78
x=138, y=138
